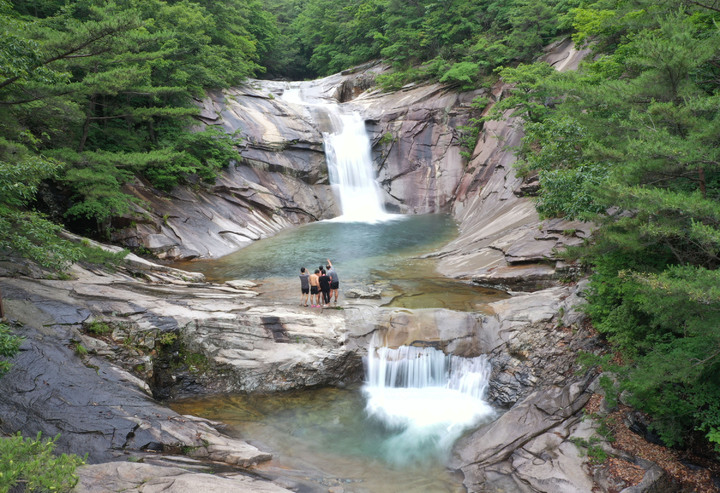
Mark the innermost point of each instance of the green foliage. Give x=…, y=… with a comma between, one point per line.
x=455, y=40
x=632, y=142
x=531, y=94
x=469, y=133
x=569, y=192
x=9, y=346
x=30, y=235
x=611, y=391
x=386, y=139
x=24, y=232
x=32, y=465
x=98, y=256
x=80, y=350
x=463, y=74
x=98, y=327
x=167, y=338
x=197, y=363
x=595, y=452
x=97, y=93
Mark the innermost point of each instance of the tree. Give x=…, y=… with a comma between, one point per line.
x=107, y=88
x=31, y=465
x=632, y=142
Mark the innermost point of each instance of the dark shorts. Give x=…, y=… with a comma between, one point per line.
x=334, y=284
x=313, y=290
x=304, y=290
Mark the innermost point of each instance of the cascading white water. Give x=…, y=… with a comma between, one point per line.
x=428, y=399
x=351, y=169
x=349, y=159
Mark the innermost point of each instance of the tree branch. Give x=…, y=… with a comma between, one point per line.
x=709, y=7
x=36, y=98
x=72, y=51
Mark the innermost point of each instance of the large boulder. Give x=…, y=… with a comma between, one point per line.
x=530, y=448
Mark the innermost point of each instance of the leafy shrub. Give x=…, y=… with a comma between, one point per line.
x=32, y=463
x=101, y=257
x=9, y=346
x=463, y=74
x=98, y=327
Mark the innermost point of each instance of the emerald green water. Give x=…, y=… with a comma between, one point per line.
x=384, y=255
x=360, y=251
x=320, y=439
x=323, y=438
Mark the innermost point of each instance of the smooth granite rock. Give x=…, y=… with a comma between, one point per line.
x=150, y=478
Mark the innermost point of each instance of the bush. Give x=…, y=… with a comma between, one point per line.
x=9, y=346
x=32, y=463
x=101, y=257
x=463, y=74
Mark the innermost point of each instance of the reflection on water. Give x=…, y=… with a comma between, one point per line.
x=383, y=254
x=322, y=438
x=355, y=248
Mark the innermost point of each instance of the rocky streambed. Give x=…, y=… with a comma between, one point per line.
x=102, y=348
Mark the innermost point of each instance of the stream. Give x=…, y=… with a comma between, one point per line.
x=396, y=432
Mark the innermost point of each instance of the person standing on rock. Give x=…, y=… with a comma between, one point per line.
x=304, y=286
x=334, y=281
x=324, y=281
x=314, y=289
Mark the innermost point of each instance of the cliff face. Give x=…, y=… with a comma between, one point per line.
x=502, y=242
x=416, y=144
x=281, y=179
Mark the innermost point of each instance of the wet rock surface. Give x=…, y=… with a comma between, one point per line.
x=204, y=338
x=416, y=144
x=98, y=348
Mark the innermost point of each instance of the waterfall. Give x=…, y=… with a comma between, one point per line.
x=425, y=398
x=351, y=170
x=348, y=155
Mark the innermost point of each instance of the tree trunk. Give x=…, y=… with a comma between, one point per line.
x=86, y=125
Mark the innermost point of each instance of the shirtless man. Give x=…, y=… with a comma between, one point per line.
x=314, y=289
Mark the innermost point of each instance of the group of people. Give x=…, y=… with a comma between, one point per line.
x=320, y=286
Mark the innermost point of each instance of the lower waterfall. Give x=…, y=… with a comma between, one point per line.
x=425, y=399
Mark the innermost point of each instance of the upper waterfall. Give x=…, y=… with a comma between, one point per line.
x=348, y=156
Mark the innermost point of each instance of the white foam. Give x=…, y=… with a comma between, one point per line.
x=425, y=398
x=350, y=166
x=348, y=155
